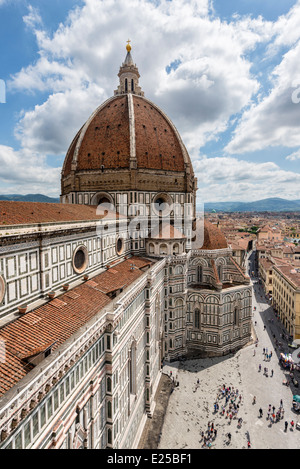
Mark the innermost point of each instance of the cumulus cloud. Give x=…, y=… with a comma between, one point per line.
x=27, y=172
x=229, y=178
x=287, y=29
x=33, y=18
x=294, y=156
x=274, y=119
x=49, y=128
x=198, y=68
x=212, y=81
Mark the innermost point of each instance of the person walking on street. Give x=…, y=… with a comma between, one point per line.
x=292, y=424
x=286, y=424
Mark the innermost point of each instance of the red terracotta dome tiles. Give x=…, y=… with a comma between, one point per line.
x=157, y=146
x=213, y=238
x=106, y=140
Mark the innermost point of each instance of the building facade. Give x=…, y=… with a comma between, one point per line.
x=286, y=297
x=98, y=291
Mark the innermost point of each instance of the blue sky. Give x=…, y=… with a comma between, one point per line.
x=269, y=9
x=227, y=72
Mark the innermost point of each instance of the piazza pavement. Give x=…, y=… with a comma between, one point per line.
x=189, y=410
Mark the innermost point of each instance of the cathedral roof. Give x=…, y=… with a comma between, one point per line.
x=213, y=238
x=127, y=128
x=56, y=321
x=25, y=213
x=207, y=237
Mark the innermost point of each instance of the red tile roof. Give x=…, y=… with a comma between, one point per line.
x=292, y=273
x=23, y=213
x=57, y=320
x=213, y=238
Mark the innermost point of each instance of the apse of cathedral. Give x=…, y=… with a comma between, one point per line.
x=99, y=291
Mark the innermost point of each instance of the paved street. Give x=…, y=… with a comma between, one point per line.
x=191, y=405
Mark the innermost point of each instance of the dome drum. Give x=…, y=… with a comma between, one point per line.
x=122, y=180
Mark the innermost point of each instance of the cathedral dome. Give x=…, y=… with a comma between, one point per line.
x=128, y=143
x=127, y=129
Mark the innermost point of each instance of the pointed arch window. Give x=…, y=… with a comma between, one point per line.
x=220, y=272
x=199, y=274
x=109, y=410
x=236, y=316
x=197, y=318
x=132, y=370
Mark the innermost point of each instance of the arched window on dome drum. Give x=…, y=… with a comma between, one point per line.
x=126, y=85
x=132, y=85
x=103, y=200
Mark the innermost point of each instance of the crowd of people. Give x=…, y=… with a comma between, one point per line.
x=227, y=404
x=274, y=416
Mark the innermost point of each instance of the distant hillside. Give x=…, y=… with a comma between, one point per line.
x=265, y=205
x=30, y=198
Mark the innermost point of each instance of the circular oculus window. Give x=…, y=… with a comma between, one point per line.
x=80, y=259
x=120, y=246
x=2, y=289
x=162, y=204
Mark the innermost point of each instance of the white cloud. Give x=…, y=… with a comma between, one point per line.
x=287, y=28
x=228, y=178
x=26, y=172
x=209, y=82
x=212, y=81
x=33, y=18
x=274, y=120
x=293, y=156
x=49, y=128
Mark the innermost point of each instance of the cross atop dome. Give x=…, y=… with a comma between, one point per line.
x=129, y=76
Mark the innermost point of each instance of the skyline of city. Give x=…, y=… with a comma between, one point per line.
x=134, y=315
